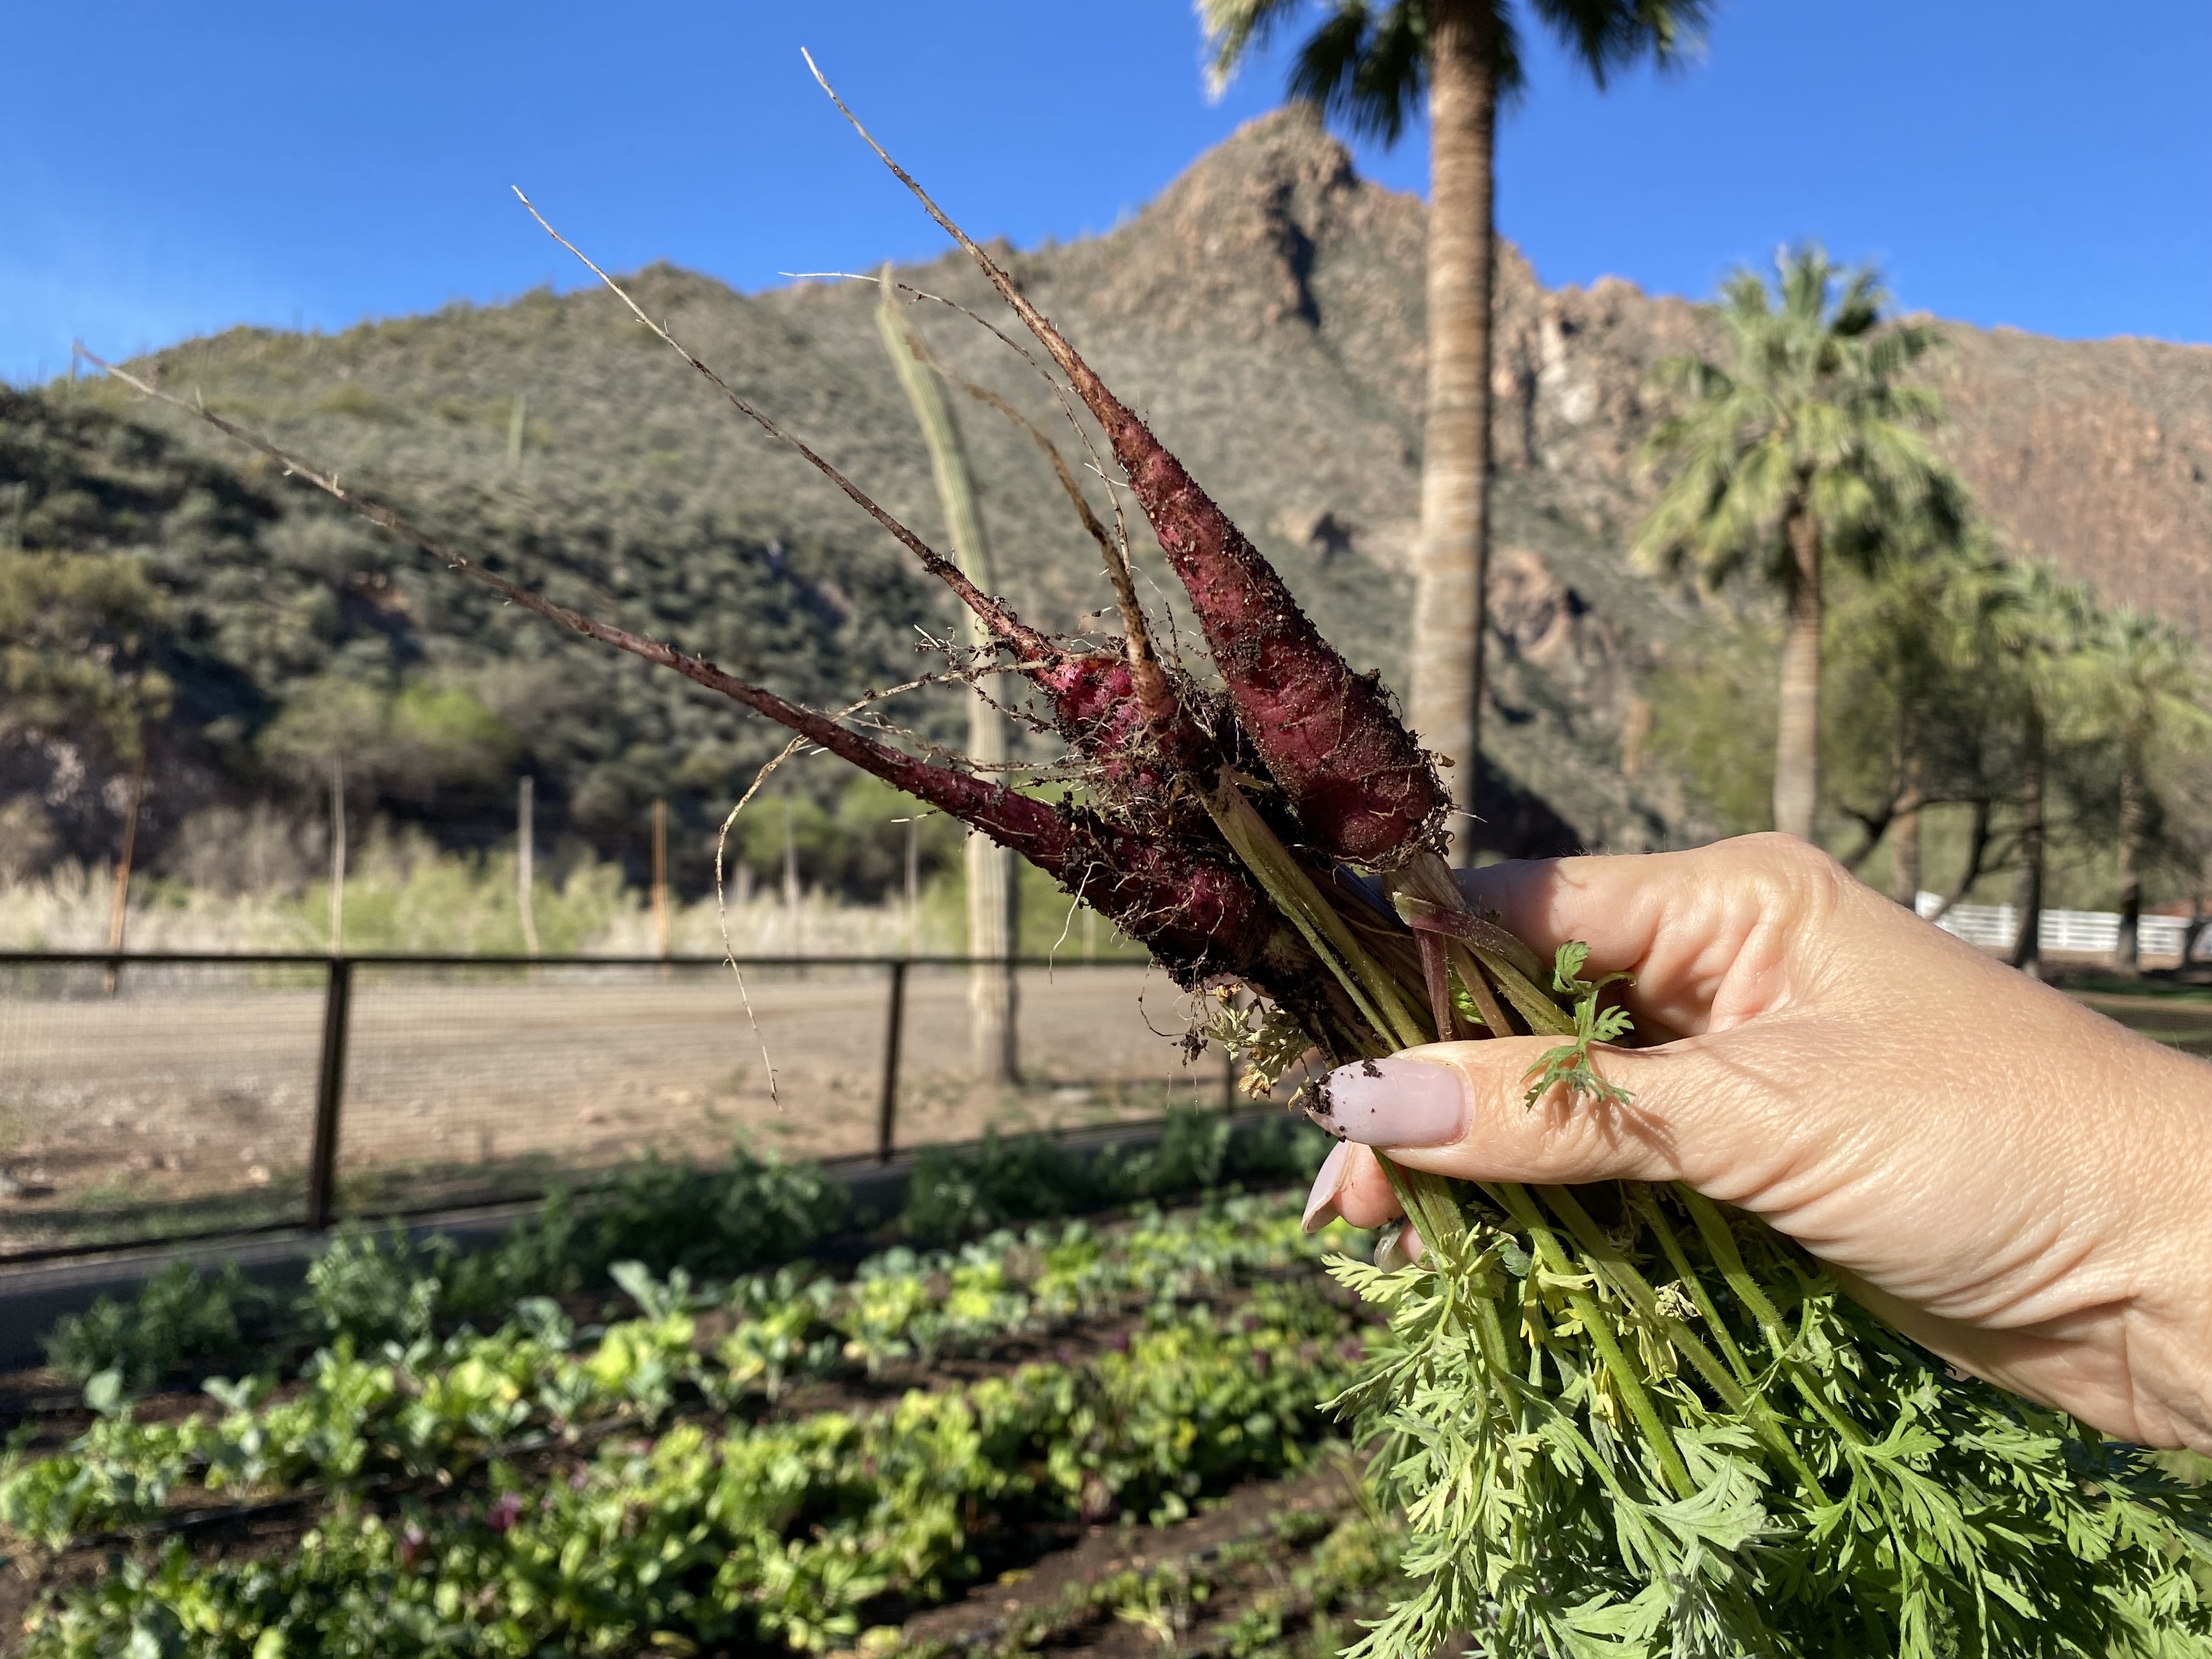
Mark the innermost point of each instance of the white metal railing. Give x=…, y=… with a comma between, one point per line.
x=2080, y=932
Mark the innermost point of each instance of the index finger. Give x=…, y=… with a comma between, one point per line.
x=1707, y=934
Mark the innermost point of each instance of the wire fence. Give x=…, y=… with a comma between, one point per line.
x=150, y=1098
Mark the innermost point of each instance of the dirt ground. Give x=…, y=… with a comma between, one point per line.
x=187, y=1100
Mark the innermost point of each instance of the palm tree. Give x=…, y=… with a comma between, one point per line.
x=1369, y=63
x=2041, y=624
x=2144, y=689
x=1807, y=446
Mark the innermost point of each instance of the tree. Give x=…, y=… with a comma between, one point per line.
x=407, y=741
x=77, y=637
x=80, y=633
x=1806, y=447
x=1369, y=63
x=2041, y=624
x=1914, y=719
x=2143, y=691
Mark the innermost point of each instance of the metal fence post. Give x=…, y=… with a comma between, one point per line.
x=894, y=1025
x=329, y=1092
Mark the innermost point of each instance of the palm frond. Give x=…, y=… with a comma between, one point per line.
x=1808, y=414
x=1607, y=35
x=1367, y=68
x=1235, y=28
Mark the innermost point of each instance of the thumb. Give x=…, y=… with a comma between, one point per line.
x=1462, y=1109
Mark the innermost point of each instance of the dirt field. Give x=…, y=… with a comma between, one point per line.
x=185, y=1102
x=188, y=1099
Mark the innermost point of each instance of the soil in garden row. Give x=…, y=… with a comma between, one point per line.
x=1054, y=1604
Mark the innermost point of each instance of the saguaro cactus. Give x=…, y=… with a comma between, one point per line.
x=993, y=895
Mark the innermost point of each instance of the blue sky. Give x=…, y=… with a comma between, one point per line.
x=166, y=170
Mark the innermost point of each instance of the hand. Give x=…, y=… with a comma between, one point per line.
x=2013, y=1181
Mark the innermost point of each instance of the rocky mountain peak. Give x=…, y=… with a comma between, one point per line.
x=1231, y=244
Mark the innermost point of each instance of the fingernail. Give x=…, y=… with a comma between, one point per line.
x=1397, y=1247
x=1320, y=1203
x=1394, y=1102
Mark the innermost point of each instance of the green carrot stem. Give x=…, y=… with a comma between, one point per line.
x=1598, y=1329
x=1656, y=1434
x=1678, y=1259
x=1720, y=1243
x=1427, y=1200
x=1371, y=986
x=1478, y=987
x=1545, y=1017
x=1738, y=1396
x=1634, y=1288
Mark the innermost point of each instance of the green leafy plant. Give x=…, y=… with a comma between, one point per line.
x=1569, y=1065
x=429, y=1404
x=180, y=1318
x=780, y=1534
x=1646, y=1454
x=371, y=1289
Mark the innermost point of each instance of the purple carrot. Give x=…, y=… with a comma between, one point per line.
x=1357, y=780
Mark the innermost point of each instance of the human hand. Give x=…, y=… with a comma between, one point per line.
x=2016, y=1183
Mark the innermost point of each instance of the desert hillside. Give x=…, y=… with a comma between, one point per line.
x=1265, y=313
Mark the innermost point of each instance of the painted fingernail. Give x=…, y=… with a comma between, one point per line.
x=1394, y=1102
x=1320, y=1203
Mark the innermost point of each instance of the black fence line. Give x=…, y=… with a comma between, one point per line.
x=319, y=1209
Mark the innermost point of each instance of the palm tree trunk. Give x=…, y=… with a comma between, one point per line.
x=2127, y=949
x=2028, y=896
x=1451, y=564
x=1797, y=736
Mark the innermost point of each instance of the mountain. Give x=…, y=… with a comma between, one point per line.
x=1265, y=314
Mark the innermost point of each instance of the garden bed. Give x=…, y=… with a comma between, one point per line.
x=788, y=1459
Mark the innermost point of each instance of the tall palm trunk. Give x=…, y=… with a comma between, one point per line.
x=2028, y=895
x=1797, y=735
x=2127, y=949
x=1451, y=565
